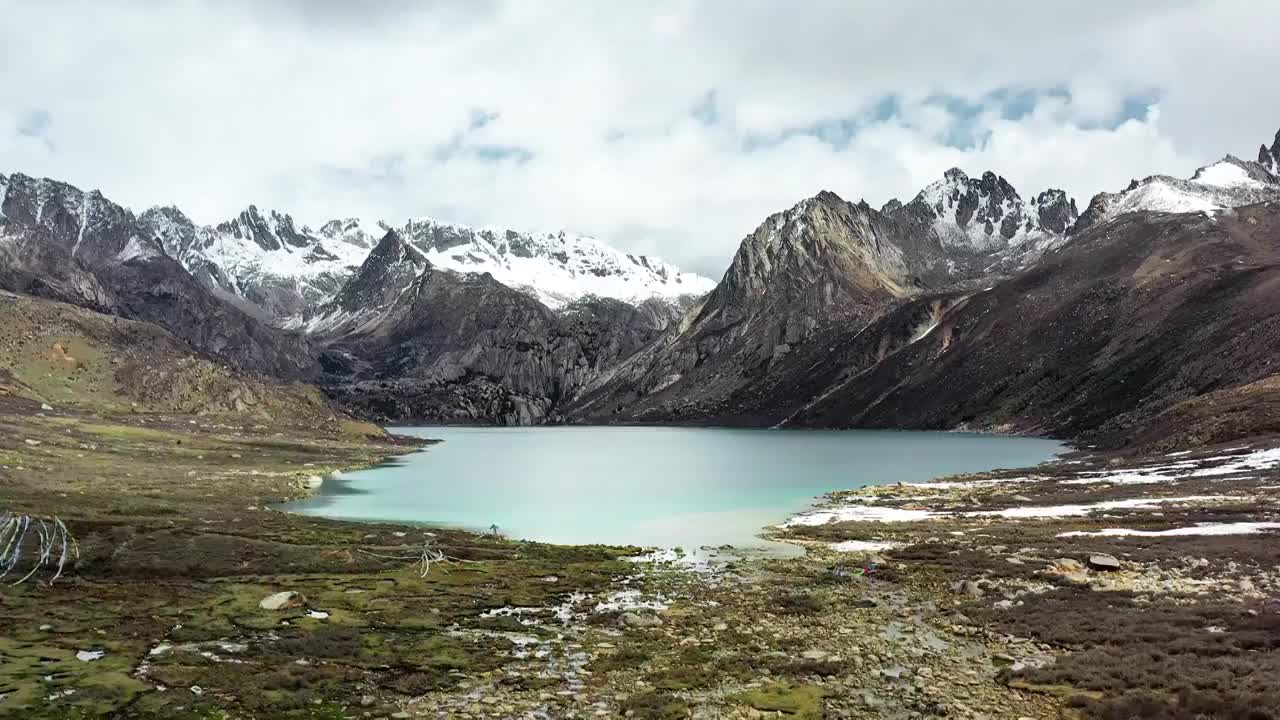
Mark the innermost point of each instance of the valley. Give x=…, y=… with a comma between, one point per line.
x=165, y=386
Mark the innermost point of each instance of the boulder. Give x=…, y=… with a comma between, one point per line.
x=286, y=600
x=641, y=621
x=1102, y=561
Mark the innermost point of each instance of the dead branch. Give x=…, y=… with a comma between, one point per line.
x=53, y=546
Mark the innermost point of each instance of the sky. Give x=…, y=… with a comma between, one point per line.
x=670, y=128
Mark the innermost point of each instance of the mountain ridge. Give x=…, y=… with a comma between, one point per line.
x=285, y=271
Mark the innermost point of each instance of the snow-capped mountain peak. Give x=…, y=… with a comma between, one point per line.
x=1230, y=182
x=556, y=268
x=263, y=259
x=986, y=216
x=353, y=231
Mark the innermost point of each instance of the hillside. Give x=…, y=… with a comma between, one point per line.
x=68, y=358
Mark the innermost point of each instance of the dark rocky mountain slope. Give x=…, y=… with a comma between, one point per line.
x=407, y=340
x=942, y=314
x=64, y=244
x=822, y=269
x=1098, y=341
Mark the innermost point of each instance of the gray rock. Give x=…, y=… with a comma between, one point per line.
x=641, y=621
x=1102, y=561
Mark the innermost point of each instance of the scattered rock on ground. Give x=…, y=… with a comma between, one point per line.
x=641, y=621
x=1103, y=562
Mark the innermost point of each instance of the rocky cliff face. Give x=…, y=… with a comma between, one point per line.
x=969, y=306
x=1269, y=159
x=825, y=263
x=1132, y=318
x=61, y=243
x=407, y=340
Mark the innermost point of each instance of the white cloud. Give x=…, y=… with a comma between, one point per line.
x=332, y=109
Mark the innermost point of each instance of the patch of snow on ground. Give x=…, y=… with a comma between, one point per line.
x=950, y=484
x=1225, y=175
x=863, y=546
x=859, y=513
x=863, y=513
x=1238, y=528
x=1140, y=476
x=1162, y=197
x=1076, y=510
x=1257, y=460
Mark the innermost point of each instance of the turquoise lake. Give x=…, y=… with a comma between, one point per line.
x=664, y=487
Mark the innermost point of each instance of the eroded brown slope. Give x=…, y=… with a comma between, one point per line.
x=1132, y=318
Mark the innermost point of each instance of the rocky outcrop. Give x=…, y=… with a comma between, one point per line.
x=1135, y=316
x=61, y=243
x=824, y=267
x=969, y=307
x=407, y=340
x=984, y=224
x=1269, y=159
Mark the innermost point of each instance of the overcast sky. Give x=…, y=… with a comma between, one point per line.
x=669, y=128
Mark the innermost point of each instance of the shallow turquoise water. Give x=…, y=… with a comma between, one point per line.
x=664, y=487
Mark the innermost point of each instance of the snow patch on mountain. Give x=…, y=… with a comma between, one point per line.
x=262, y=258
x=1230, y=182
x=138, y=249
x=352, y=231
x=556, y=268
x=987, y=216
x=1225, y=175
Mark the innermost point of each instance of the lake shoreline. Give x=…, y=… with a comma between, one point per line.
x=659, y=487
x=179, y=550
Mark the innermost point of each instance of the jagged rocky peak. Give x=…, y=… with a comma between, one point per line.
x=352, y=231
x=1269, y=159
x=390, y=270
x=1228, y=183
x=260, y=257
x=273, y=232
x=82, y=248
x=987, y=213
x=84, y=221
x=556, y=268
x=175, y=231
x=823, y=245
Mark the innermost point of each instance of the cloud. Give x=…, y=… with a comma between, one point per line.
x=671, y=128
